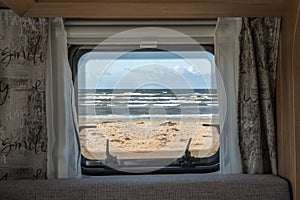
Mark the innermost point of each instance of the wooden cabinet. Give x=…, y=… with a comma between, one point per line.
x=143, y=9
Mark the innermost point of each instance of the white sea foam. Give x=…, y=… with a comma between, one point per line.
x=190, y=105
x=166, y=105
x=196, y=116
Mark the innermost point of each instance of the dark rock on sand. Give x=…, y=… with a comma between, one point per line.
x=168, y=123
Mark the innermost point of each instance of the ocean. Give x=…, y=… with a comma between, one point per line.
x=147, y=103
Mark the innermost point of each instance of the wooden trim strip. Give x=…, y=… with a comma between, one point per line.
x=2, y=6
x=154, y=10
x=19, y=6
x=168, y=1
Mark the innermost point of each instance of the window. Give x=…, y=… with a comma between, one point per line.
x=147, y=111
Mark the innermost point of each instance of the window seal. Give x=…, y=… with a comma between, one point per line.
x=204, y=165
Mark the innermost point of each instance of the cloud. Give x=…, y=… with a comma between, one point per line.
x=136, y=73
x=185, y=69
x=155, y=74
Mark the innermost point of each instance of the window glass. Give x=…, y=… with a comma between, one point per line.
x=147, y=105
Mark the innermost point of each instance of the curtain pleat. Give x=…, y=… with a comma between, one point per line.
x=259, y=40
x=227, y=62
x=63, y=136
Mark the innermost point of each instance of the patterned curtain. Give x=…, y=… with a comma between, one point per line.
x=23, y=139
x=259, y=41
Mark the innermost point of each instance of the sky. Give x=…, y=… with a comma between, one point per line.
x=146, y=70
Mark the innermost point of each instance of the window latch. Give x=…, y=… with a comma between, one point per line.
x=110, y=160
x=148, y=44
x=217, y=126
x=187, y=161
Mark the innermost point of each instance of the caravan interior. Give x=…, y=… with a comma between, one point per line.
x=149, y=99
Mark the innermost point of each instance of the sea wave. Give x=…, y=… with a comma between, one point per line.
x=138, y=104
x=200, y=116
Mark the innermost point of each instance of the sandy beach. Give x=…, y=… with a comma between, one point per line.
x=148, y=138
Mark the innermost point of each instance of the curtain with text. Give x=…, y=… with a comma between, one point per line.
x=23, y=136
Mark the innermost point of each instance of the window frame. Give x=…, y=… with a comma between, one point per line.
x=96, y=168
